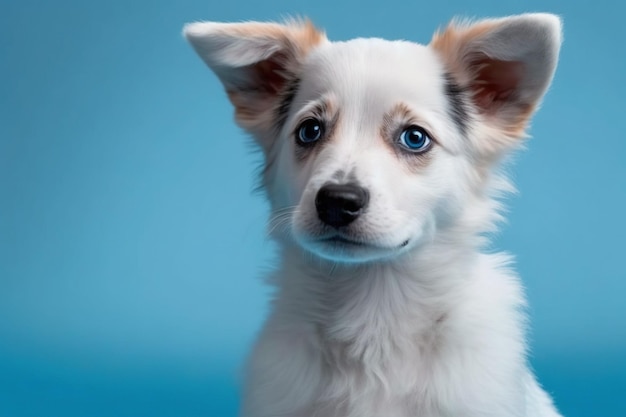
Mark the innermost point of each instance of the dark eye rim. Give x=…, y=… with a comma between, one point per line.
x=296, y=133
x=431, y=139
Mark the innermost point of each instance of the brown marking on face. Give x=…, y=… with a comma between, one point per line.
x=325, y=110
x=394, y=122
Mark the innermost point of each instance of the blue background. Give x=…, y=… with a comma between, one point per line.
x=132, y=249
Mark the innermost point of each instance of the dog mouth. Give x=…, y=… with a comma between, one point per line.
x=340, y=247
x=343, y=242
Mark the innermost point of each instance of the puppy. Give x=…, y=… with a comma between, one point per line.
x=381, y=168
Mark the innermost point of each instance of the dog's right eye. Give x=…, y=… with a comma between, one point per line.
x=309, y=131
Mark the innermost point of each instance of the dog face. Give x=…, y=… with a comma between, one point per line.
x=369, y=160
x=375, y=147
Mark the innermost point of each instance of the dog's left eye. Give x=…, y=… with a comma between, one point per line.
x=415, y=139
x=309, y=131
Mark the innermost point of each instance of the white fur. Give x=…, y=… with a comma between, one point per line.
x=431, y=328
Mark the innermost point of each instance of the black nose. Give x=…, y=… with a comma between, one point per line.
x=340, y=204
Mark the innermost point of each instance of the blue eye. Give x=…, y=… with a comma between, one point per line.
x=309, y=131
x=415, y=139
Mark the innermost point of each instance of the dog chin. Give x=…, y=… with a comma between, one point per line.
x=342, y=250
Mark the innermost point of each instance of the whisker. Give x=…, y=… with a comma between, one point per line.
x=332, y=269
x=280, y=219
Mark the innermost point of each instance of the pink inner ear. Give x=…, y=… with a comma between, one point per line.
x=495, y=82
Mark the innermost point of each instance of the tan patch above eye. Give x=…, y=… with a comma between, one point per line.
x=325, y=111
x=394, y=122
x=400, y=113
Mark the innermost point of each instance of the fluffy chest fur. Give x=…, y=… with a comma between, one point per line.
x=384, y=343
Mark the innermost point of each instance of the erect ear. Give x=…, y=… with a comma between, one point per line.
x=504, y=64
x=258, y=63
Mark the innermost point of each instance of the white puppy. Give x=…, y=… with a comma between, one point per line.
x=381, y=168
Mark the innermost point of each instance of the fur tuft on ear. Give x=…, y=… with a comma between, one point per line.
x=505, y=64
x=258, y=64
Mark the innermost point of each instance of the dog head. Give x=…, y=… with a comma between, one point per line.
x=372, y=147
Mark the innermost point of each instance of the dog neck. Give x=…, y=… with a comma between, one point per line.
x=371, y=308
x=388, y=325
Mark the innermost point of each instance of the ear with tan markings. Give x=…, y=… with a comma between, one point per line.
x=505, y=64
x=257, y=63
